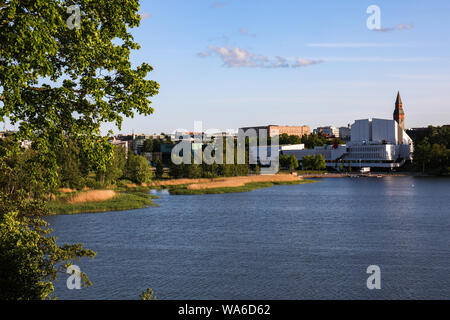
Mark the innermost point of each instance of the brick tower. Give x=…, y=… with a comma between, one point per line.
x=399, y=116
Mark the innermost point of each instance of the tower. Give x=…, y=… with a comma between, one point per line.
x=399, y=116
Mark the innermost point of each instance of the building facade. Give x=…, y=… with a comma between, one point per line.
x=273, y=130
x=330, y=131
x=345, y=133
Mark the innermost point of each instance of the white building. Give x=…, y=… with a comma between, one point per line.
x=264, y=155
x=330, y=131
x=373, y=144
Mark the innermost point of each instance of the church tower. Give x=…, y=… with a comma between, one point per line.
x=399, y=116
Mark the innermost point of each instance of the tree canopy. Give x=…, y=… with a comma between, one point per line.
x=57, y=81
x=58, y=84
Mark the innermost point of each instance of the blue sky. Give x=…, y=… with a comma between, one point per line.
x=254, y=62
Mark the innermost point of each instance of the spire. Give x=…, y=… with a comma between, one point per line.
x=399, y=100
x=399, y=116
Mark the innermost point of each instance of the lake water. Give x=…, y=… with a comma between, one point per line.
x=312, y=241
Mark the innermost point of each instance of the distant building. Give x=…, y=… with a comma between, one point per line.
x=375, y=143
x=273, y=130
x=330, y=131
x=123, y=144
x=345, y=133
x=399, y=116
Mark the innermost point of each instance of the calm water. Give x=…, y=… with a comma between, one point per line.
x=312, y=241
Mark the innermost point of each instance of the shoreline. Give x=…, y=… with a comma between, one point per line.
x=123, y=201
x=240, y=189
x=138, y=197
x=226, y=184
x=363, y=175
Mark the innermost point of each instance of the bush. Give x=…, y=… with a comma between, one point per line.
x=138, y=169
x=92, y=183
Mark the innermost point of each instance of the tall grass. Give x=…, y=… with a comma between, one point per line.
x=92, y=196
x=122, y=201
x=245, y=188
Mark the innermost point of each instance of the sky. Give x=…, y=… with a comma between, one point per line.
x=242, y=63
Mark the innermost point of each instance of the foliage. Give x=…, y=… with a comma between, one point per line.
x=57, y=82
x=115, y=167
x=159, y=169
x=69, y=162
x=286, y=139
x=176, y=171
x=29, y=258
x=148, y=295
x=432, y=150
x=123, y=201
x=192, y=171
x=148, y=145
x=316, y=162
x=137, y=169
x=289, y=161
x=313, y=140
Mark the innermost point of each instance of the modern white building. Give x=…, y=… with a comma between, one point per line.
x=375, y=143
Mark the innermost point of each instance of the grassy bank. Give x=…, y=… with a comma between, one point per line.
x=122, y=201
x=183, y=190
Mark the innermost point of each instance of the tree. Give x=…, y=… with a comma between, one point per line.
x=156, y=145
x=115, y=167
x=148, y=145
x=69, y=162
x=284, y=161
x=422, y=154
x=440, y=159
x=313, y=140
x=58, y=82
x=432, y=149
x=287, y=139
x=193, y=171
x=138, y=169
x=176, y=171
x=316, y=162
x=295, y=139
x=293, y=163
x=159, y=169
x=284, y=139
x=319, y=162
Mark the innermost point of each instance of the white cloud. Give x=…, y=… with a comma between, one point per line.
x=238, y=57
x=300, y=62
